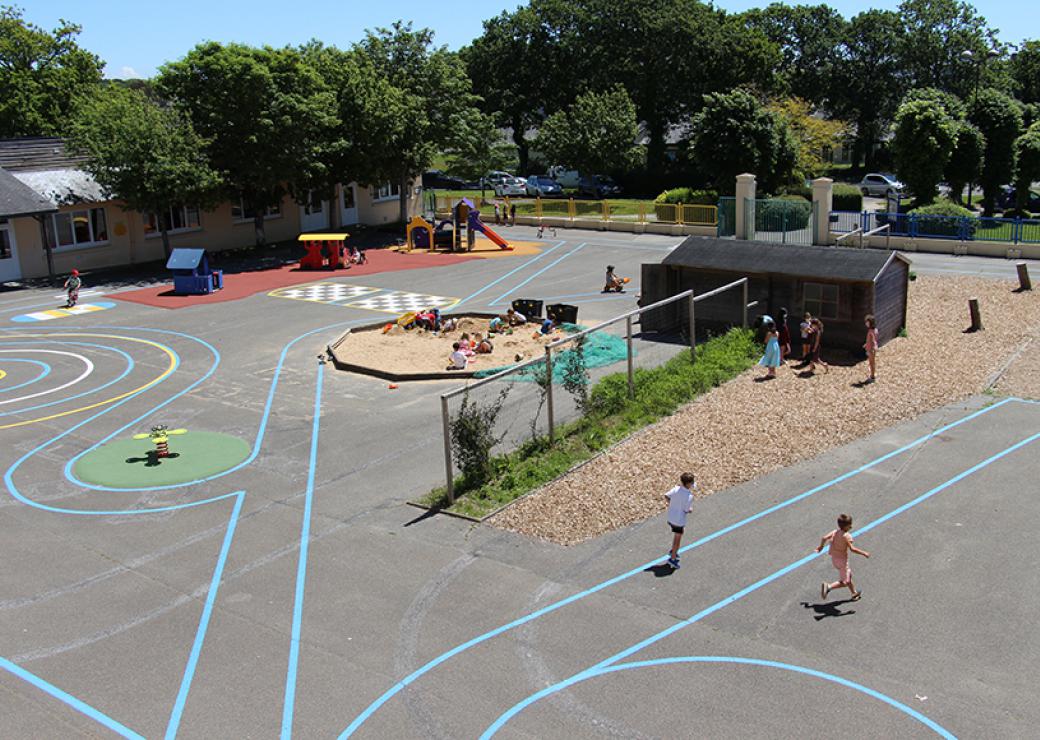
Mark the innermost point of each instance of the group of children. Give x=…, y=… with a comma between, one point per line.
x=840, y=541
x=466, y=348
x=778, y=344
x=505, y=215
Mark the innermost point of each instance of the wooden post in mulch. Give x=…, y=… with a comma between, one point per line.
x=976, y=315
x=1024, y=283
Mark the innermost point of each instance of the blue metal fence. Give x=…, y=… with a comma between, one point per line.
x=959, y=228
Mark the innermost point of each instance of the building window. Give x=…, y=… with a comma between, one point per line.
x=386, y=191
x=182, y=218
x=84, y=228
x=239, y=212
x=821, y=300
x=5, y=241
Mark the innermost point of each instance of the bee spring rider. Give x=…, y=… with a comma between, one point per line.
x=160, y=435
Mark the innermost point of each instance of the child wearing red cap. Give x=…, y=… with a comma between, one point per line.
x=72, y=288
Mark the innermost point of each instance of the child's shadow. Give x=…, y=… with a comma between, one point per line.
x=830, y=609
x=152, y=459
x=661, y=570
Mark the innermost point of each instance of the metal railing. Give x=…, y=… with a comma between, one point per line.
x=627, y=317
x=628, y=211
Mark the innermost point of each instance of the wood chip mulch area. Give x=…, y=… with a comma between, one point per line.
x=745, y=429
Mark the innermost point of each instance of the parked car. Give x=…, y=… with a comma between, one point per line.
x=1008, y=199
x=511, y=186
x=881, y=184
x=565, y=177
x=543, y=186
x=436, y=179
x=493, y=178
x=598, y=186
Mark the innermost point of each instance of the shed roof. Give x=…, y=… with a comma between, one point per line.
x=18, y=199
x=184, y=258
x=37, y=153
x=820, y=263
x=64, y=187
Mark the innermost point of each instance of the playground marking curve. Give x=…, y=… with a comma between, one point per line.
x=85, y=374
x=158, y=379
x=46, y=370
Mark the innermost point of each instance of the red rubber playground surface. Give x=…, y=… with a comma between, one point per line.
x=239, y=285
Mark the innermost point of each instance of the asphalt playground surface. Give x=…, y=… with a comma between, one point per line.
x=297, y=594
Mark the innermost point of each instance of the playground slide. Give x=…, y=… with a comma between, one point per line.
x=482, y=227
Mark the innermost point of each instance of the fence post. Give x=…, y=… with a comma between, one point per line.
x=1024, y=283
x=744, y=201
x=823, y=205
x=449, y=472
x=631, y=369
x=538, y=206
x=570, y=209
x=679, y=214
x=693, y=329
x=1016, y=229
x=912, y=224
x=549, y=392
x=745, y=290
x=642, y=212
x=606, y=210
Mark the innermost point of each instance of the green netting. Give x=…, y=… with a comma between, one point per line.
x=600, y=349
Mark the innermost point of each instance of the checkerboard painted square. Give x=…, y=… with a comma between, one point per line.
x=398, y=302
x=323, y=292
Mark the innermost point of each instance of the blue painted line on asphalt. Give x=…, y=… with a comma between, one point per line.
x=731, y=660
x=522, y=283
x=301, y=567
x=43, y=374
x=68, y=699
x=443, y=657
x=515, y=270
x=126, y=371
x=200, y=633
x=718, y=605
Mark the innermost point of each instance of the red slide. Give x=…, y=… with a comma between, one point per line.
x=482, y=227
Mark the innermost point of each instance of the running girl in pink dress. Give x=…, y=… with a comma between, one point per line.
x=841, y=544
x=871, y=346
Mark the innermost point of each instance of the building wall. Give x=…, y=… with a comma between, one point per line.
x=890, y=297
x=218, y=230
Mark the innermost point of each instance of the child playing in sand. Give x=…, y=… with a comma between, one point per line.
x=613, y=282
x=680, y=504
x=483, y=345
x=840, y=544
x=458, y=359
x=871, y=346
x=466, y=345
x=548, y=326
x=515, y=318
x=72, y=286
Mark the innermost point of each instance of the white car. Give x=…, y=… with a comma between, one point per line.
x=881, y=185
x=511, y=186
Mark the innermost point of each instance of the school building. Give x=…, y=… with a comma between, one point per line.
x=48, y=199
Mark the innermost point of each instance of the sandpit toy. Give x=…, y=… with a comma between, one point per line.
x=160, y=436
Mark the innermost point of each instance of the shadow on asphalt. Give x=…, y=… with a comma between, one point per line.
x=830, y=609
x=661, y=570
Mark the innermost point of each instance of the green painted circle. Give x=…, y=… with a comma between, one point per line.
x=126, y=463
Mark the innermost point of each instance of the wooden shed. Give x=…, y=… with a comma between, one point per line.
x=839, y=285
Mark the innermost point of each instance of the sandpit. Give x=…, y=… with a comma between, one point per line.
x=417, y=354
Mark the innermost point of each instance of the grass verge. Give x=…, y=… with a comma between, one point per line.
x=612, y=416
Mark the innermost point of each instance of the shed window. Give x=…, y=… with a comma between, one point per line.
x=5, y=241
x=821, y=299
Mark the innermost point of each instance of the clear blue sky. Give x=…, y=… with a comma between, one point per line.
x=134, y=38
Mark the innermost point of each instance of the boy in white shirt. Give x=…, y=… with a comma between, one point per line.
x=458, y=358
x=680, y=504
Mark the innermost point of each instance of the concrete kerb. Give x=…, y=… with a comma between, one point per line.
x=631, y=227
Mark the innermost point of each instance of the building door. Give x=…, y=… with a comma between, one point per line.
x=348, y=204
x=314, y=213
x=9, y=267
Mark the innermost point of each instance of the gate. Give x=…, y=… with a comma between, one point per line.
x=781, y=220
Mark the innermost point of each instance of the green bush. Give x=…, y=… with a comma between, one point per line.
x=790, y=212
x=847, y=198
x=944, y=219
x=802, y=191
x=686, y=196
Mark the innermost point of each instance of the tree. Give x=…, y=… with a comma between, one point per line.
x=478, y=148
x=1027, y=152
x=42, y=76
x=869, y=82
x=808, y=37
x=999, y=118
x=596, y=134
x=953, y=105
x=265, y=114
x=937, y=33
x=925, y=135
x=429, y=93
x=965, y=165
x=1025, y=71
x=734, y=133
x=813, y=134
x=146, y=155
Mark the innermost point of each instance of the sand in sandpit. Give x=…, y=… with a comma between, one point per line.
x=418, y=351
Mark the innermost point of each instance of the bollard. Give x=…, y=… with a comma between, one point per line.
x=976, y=315
x=1023, y=276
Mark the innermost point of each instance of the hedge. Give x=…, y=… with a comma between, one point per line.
x=789, y=212
x=944, y=218
x=847, y=198
x=686, y=196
